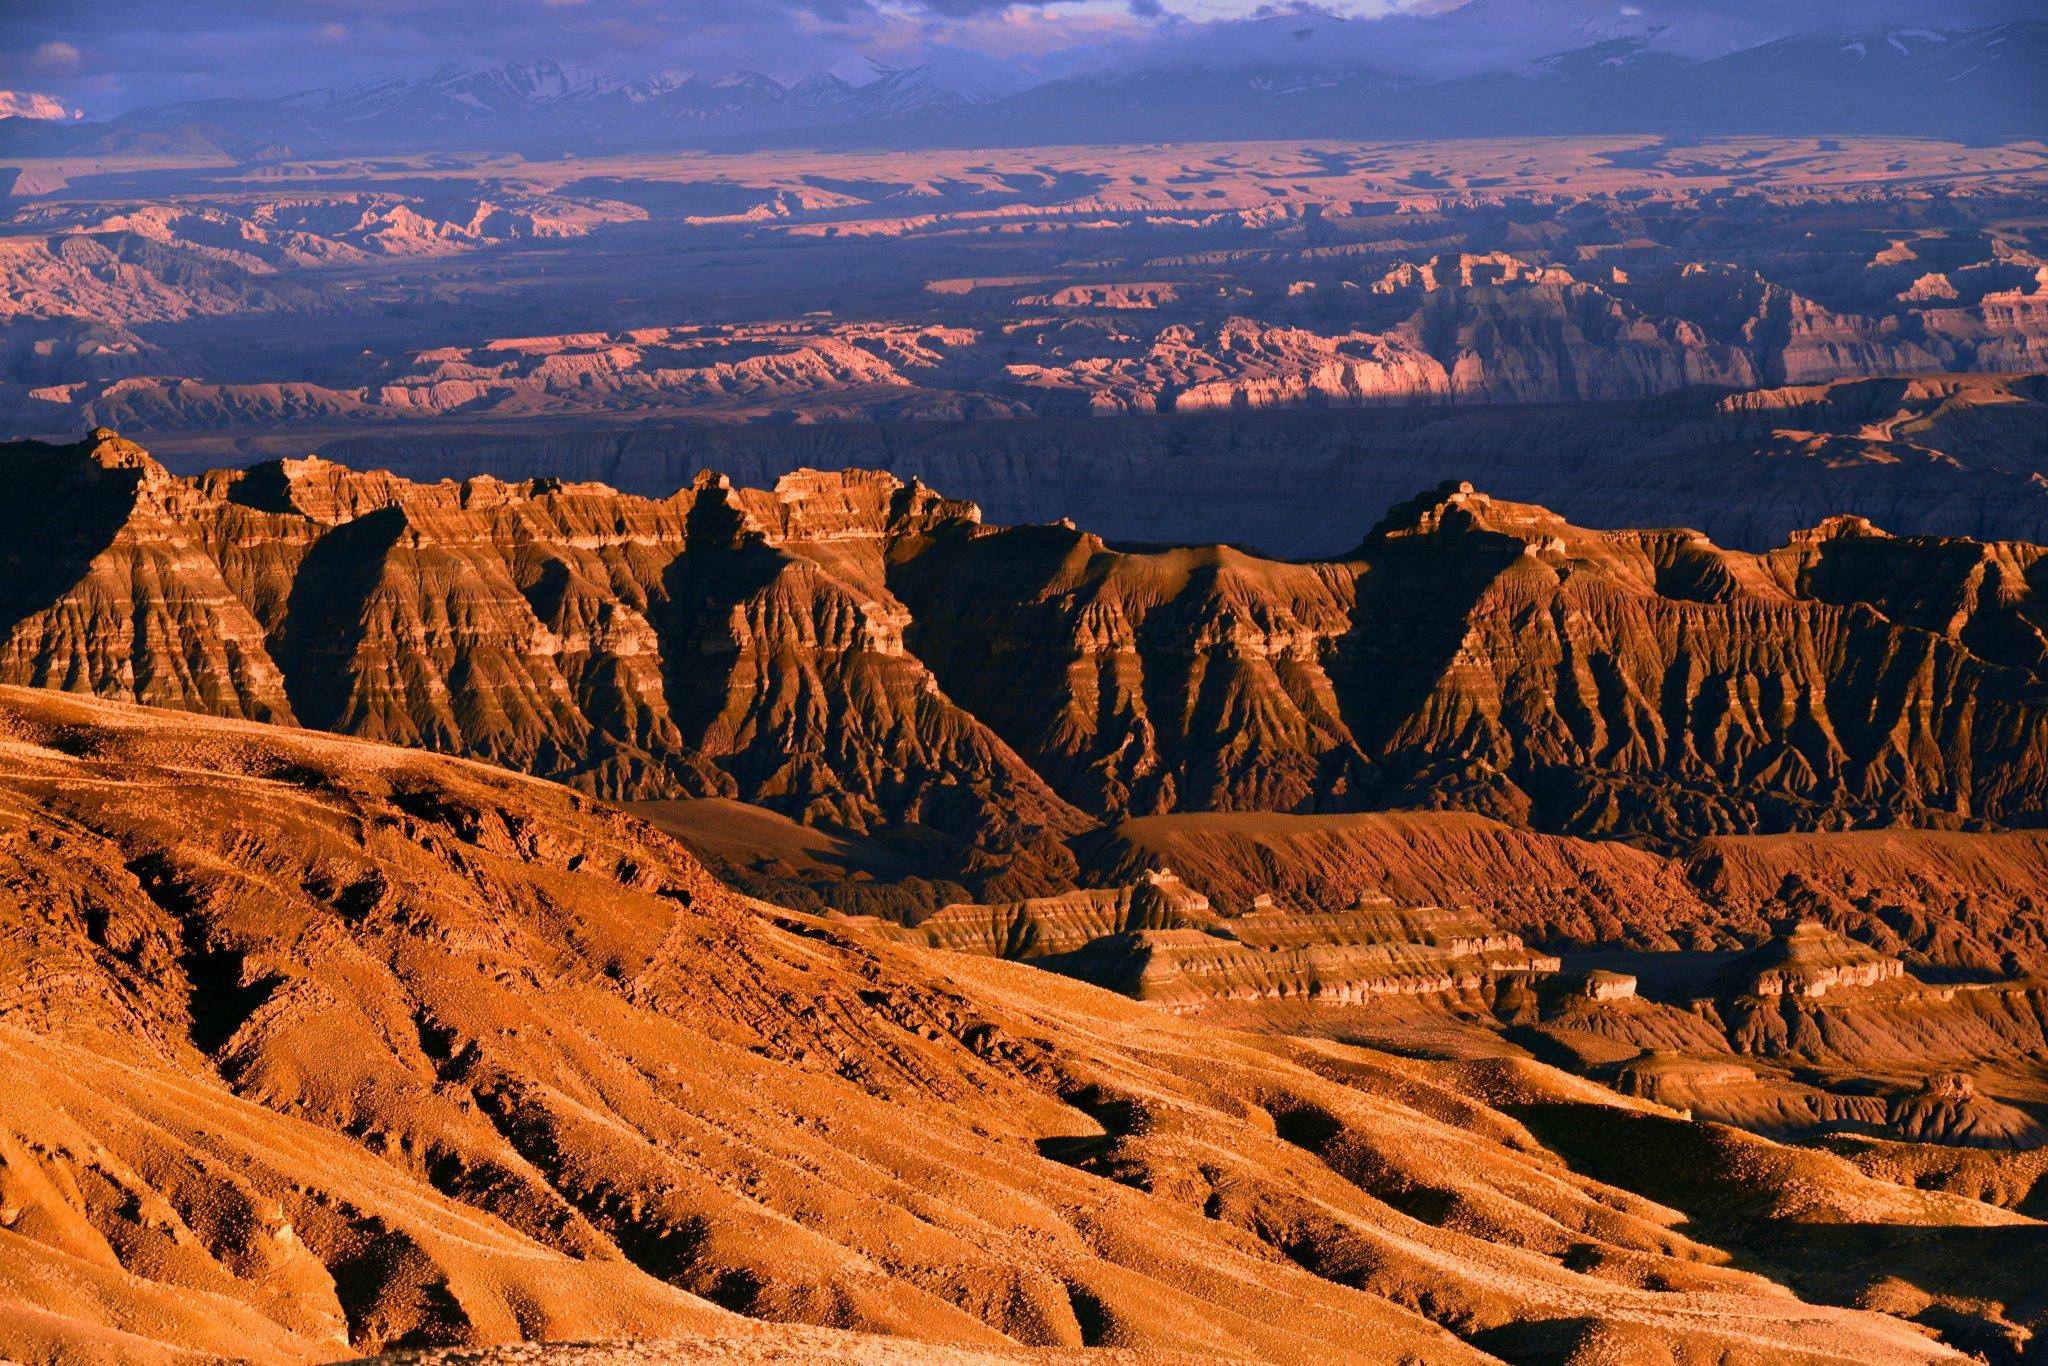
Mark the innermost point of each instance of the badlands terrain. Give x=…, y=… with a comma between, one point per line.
x=321, y=1047
x=1592, y=824
x=1063, y=330
x=1291, y=750
x=856, y=651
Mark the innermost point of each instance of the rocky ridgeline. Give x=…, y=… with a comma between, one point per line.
x=1376, y=949
x=1485, y=327
x=857, y=651
x=1163, y=943
x=1812, y=961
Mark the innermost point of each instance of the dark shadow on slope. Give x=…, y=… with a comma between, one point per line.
x=966, y=595
x=324, y=625
x=703, y=589
x=1414, y=607
x=1695, y=1169
x=218, y=1002
x=265, y=488
x=60, y=513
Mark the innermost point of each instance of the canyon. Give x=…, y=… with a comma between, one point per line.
x=1224, y=342
x=725, y=718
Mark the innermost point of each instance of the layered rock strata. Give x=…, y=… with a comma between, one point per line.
x=862, y=653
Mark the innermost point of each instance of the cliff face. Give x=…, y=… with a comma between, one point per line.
x=1951, y=455
x=1646, y=681
x=856, y=651
x=1332, y=960
x=1490, y=656
x=633, y=647
x=111, y=585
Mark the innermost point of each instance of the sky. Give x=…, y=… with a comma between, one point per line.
x=108, y=56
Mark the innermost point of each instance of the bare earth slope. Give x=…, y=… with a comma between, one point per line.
x=323, y=1047
x=1949, y=904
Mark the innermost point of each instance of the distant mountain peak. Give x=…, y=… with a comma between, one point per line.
x=1607, y=69
x=1607, y=53
x=823, y=89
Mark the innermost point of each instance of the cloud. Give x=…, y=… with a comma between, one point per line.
x=55, y=57
x=29, y=104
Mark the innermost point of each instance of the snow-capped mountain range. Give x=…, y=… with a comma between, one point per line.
x=544, y=97
x=1608, y=74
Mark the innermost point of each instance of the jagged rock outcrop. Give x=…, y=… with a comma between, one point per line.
x=1601, y=985
x=1491, y=656
x=860, y=652
x=1377, y=948
x=1041, y=927
x=1810, y=962
x=635, y=647
x=110, y=586
x=1158, y=940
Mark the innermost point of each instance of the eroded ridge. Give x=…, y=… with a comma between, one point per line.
x=322, y=1047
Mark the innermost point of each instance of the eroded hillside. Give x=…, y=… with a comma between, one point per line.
x=865, y=654
x=465, y=293
x=323, y=1047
